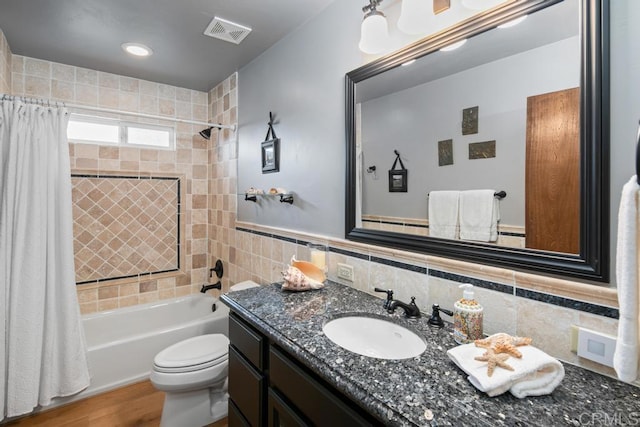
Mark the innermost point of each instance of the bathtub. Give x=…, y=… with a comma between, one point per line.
x=122, y=343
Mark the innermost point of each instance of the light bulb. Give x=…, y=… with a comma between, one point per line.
x=454, y=46
x=374, y=33
x=137, y=49
x=513, y=22
x=481, y=4
x=416, y=16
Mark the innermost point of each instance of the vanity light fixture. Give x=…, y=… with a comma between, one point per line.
x=137, y=49
x=481, y=4
x=416, y=16
x=374, y=31
x=454, y=46
x=513, y=22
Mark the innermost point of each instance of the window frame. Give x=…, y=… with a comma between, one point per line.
x=123, y=132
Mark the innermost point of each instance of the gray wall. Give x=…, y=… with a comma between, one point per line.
x=414, y=120
x=301, y=79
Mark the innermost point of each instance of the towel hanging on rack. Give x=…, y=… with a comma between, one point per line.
x=638, y=155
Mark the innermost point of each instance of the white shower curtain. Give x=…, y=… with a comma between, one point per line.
x=42, y=350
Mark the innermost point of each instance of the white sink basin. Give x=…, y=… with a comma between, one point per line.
x=373, y=337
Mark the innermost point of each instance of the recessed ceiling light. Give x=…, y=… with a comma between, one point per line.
x=453, y=46
x=406, y=64
x=137, y=49
x=513, y=22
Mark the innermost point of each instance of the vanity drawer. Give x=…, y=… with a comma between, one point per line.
x=247, y=340
x=246, y=388
x=322, y=405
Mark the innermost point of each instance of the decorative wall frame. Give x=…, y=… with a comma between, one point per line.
x=398, y=177
x=445, y=152
x=270, y=148
x=482, y=150
x=470, y=121
x=271, y=156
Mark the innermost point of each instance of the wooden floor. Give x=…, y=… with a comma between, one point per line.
x=135, y=405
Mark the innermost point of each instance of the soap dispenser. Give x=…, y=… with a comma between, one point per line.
x=467, y=317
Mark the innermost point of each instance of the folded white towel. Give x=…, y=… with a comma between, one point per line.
x=479, y=215
x=625, y=357
x=535, y=374
x=443, y=214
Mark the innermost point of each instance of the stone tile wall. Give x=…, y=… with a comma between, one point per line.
x=263, y=252
x=5, y=65
x=190, y=162
x=223, y=108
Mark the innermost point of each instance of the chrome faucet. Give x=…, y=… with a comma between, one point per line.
x=411, y=310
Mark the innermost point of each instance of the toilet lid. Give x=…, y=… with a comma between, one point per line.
x=193, y=353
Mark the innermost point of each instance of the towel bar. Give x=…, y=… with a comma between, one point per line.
x=502, y=194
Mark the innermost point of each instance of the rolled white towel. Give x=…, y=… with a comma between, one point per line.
x=535, y=374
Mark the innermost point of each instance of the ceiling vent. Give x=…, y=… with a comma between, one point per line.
x=226, y=30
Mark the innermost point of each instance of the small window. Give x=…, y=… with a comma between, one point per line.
x=92, y=130
x=148, y=136
x=96, y=130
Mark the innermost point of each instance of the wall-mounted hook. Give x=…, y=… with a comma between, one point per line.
x=371, y=169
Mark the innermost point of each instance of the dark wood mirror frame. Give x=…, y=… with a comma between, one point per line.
x=592, y=263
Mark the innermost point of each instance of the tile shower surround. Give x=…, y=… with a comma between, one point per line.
x=195, y=161
x=5, y=65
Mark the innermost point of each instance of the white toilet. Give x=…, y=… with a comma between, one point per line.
x=193, y=375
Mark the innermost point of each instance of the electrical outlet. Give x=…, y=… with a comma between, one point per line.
x=345, y=271
x=596, y=346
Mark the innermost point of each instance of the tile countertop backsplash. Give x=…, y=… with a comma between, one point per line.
x=399, y=392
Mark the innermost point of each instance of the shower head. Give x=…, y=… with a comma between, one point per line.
x=206, y=133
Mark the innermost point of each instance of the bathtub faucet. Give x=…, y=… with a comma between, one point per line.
x=206, y=287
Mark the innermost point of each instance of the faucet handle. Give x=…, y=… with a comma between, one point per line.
x=435, y=319
x=389, y=293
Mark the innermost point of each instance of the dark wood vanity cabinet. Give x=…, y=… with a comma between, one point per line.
x=269, y=387
x=247, y=378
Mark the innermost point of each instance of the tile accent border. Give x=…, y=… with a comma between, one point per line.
x=597, y=309
x=144, y=274
x=479, y=283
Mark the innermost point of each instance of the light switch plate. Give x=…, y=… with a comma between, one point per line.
x=596, y=346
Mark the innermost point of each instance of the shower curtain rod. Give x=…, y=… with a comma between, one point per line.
x=127, y=113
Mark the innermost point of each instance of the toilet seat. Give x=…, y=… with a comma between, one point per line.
x=193, y=354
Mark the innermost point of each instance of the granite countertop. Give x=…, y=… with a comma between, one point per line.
x=401, y=392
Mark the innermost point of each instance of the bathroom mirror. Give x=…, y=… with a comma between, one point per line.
x=522, y=110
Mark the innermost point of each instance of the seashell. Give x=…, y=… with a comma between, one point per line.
x=278, y=190
x=296, y=280
x=253, y=190
x=308, y=269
